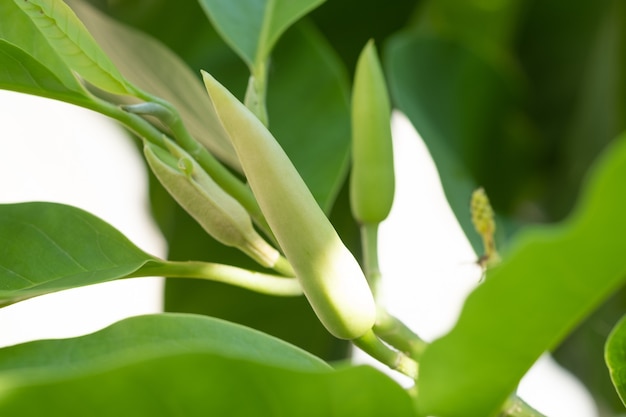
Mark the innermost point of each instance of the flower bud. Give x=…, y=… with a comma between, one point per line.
x=330, y=276
x=215, y=210
x=372, y=181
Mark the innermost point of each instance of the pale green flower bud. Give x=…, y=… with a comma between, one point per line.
x=372, y=182
x=330, y=276
x=215, y=210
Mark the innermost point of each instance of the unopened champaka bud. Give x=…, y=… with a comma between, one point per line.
x=330, y=276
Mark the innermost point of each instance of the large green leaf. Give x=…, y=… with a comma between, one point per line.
x=252, y=27
x=153, y=67
x=21, y=72
x=47, y=247
x=615, y=355
x=73, y=43
x=188, y=366
x=552, y=278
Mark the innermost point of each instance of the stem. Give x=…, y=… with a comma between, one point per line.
x=399, y=335
x=251, y=280
x=256, y=92
x=516, y=407
x=398, y=361
x=282, y=266
x=369, y=239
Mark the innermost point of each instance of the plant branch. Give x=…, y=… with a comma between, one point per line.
x=369, y=239
x=251, y=280
x=398, y=361
x=516, y=407
x=393, y=331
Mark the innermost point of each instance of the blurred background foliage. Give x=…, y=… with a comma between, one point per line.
x=518, y=96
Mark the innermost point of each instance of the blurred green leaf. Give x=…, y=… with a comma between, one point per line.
x=186, y=365
x=487, y=28
x=48, y=247
x=309, y=105
x=615, y=355
x=71, y=40
x=153, y=67
x=253, y=27
x=572, y=54
x=461, y=106
x=349, y=24
x=551, y=279
x=582, y=353
x=21, y=72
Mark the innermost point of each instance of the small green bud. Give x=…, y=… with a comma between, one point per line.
x=330, y=276
x=215, y=210
x=372, y=182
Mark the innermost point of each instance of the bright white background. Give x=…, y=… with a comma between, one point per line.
x=50, y=151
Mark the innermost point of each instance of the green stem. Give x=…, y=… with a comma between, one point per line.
x=516, y=407
x=398, y=361
x=369, y=241
x=399, y=335
x=256, y=92
x=282, y=266
x=251, y=280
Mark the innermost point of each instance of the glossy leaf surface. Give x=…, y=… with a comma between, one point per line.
x=615, y=355
x=552, y=278
x=252, y=27
x=186, y=365
x=47, y=247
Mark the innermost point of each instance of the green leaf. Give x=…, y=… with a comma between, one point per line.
x=23, y=73
x=139, y=337
x=615, y=356
x=551, y=279
x=252, y=27
x=18, y=29
x=188, y=366
x=71, y=40
x=153, y=67
x=47, y=247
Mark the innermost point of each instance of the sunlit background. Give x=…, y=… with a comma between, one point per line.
x=57, y=152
